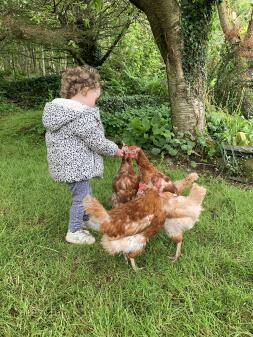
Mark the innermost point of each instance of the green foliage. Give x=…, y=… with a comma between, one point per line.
x=229, y=129
x=36, y=91
x=86, y=30
x=214, y=48
x=135, y=68
x=132, y=69
x=196, y=18
x=126, y=90
x=225, y=129
x=229, y=74
x=137, y=125
x=230, y=83
x=149, y=127
x=127, y=83
x=97, y=4
x=32, y=91
x=114, y=104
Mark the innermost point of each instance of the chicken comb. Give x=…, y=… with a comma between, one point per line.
x=130, y=151
x=142, y=186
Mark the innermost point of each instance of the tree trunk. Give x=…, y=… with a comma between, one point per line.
x=175, y=30
x=186, y=100
x=233, y=90
x=43, y=61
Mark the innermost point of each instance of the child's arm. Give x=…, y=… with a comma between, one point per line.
x=87, y=129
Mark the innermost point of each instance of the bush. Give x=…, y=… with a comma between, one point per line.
x=229, y=129
x=150, y=128
x=128, y=84
x=36, y=91
x=114, y=104
x=144, y=121
x=33, y=91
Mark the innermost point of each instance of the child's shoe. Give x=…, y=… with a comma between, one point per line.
x=80, y=237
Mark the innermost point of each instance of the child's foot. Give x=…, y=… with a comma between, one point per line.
x=80, y=237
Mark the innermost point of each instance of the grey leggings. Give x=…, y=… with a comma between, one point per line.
x=77, y=215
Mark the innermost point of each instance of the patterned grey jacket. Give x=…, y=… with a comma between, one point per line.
x=75, y=140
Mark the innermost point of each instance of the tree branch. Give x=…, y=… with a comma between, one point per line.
x=80, y=61
x=230, y=30
x=224, y=19
x=250, y=26
x=121, y=34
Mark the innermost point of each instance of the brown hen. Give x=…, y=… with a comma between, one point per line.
x=125, y=184
x=127, y=228
x=184, y=213
x=151, y=176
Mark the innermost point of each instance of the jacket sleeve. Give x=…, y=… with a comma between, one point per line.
x=92, y=134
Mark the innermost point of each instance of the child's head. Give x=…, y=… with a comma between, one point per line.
x=83, y=80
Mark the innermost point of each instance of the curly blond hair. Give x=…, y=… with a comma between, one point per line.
x=79, y=79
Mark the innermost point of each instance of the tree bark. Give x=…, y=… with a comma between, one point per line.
x=225, y=21
x=233, y=89
x=43, y=61
x=186, y=88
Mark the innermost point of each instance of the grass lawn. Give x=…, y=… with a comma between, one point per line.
x=51, y=288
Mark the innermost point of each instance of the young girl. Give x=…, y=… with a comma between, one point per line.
x=76, y=142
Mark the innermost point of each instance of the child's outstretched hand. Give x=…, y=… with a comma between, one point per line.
x=119, y=153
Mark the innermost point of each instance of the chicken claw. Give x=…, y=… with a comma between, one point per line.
x=126, y=258
x=133, y=264
x=174, y=258
x=178, y=252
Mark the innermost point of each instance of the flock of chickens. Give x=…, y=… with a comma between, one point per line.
x=143, y=204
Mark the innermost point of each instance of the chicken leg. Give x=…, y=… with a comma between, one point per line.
x=178, y=252
x=126, y=258
x=178, y=239
x=132, y=261
x=133, y=264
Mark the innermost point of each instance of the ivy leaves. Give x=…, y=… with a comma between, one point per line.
x=150, y=128
x=97, y=4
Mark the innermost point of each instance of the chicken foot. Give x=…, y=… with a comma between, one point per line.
x=126, y=258
x=133, y=264
x=178, y=252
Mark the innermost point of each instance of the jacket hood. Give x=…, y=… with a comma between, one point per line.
x=62, y=111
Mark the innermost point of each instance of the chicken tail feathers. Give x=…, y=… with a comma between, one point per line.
x=197, y=193
x=97, y=213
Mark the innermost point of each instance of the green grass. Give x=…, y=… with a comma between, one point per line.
x=50, y=288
